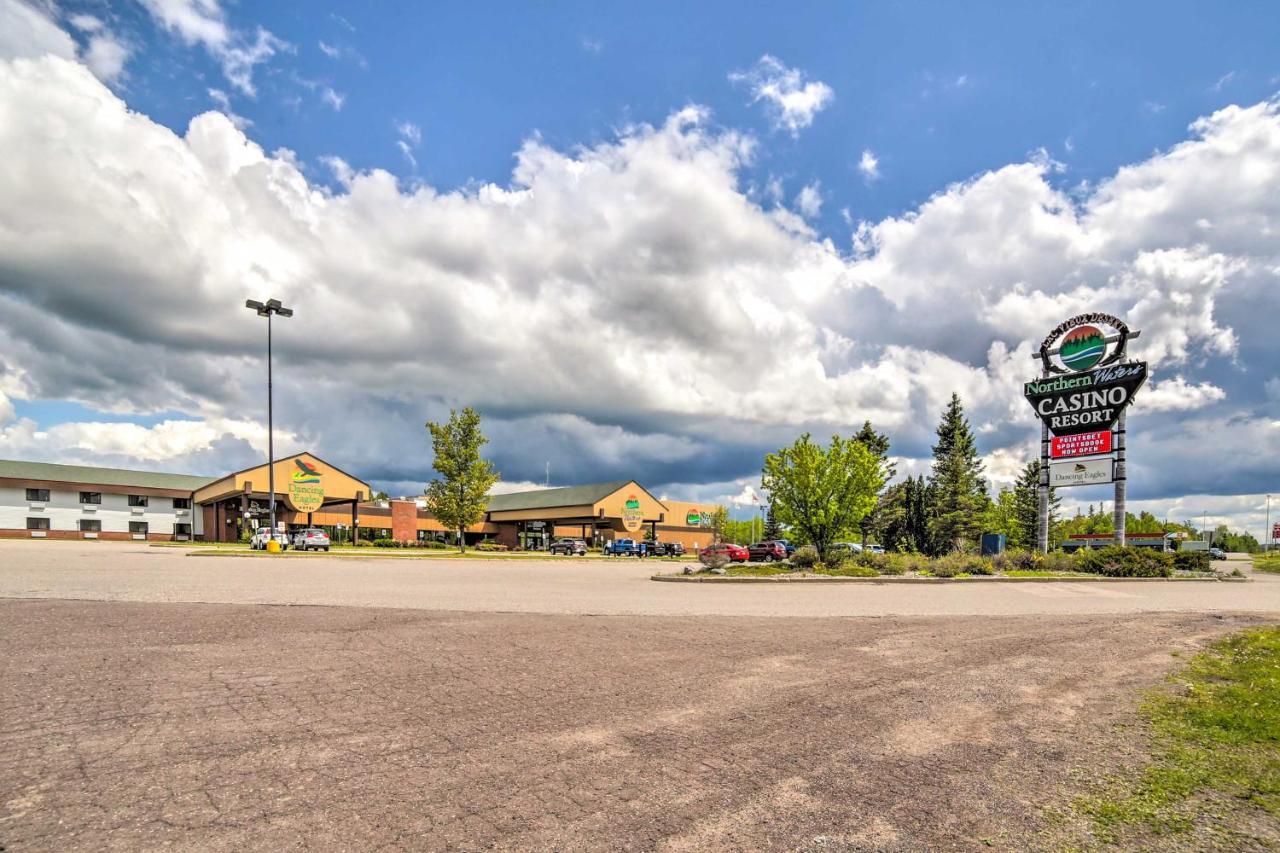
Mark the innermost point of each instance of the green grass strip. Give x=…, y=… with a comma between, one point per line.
x=1216, y=732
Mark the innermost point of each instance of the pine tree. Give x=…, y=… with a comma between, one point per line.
x=957, y=490
x=1026, y=507
x=904, y=520
x=878, y=444
x=772, y=530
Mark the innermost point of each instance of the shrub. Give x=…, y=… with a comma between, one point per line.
x=805, y=557
x=946, y=567
x=1191, y=561
x=433, y=544
x=871, y=560
x=976, y=564
x=1059, y=561
x=895, y=564
x=1017, y=560
x=491, y=546
x=1126, y=562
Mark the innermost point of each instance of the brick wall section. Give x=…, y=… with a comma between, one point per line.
x=404, y=521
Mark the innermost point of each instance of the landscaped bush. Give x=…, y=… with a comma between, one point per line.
x=491, y=546
x=1018, y=560
x=1191, y=561
x=871, y=560
x=1127, y=562
x=805, y=557
x=946, y=567
x=1059, y=561
x=433, y=544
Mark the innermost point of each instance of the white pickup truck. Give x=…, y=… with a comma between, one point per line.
x=263, y=535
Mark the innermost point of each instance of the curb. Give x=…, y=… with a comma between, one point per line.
x=901, y=580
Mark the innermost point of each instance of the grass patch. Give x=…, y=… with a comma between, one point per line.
x=1216, y=740
x=1269, y=563
x=754, y=570
x=1043, y=573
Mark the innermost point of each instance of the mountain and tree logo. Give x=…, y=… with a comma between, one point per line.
x=693, y=518
x=1083, y=347
x=632, y=515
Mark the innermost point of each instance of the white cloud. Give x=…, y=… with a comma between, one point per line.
x=106, y=56
x=869, y=165
x=223, y=100
x=332, y=98
x=410, y=131
x=1178, y=395
x=592, y=45
x=329, y=50
x=1222, y=82
x=809, y=200
x=86, y=23
x=407, y=150
x=626, y=308
x=203, y=22
x=26, y=32
x=792, y=102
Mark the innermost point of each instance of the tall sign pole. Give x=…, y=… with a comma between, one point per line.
x=1121, y=514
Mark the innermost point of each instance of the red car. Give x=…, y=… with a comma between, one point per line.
x=735, y=553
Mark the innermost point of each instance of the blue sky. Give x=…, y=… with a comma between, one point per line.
x=938, y=91
x=647, y=240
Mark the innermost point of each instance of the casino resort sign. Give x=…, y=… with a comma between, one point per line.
x=1092, y=383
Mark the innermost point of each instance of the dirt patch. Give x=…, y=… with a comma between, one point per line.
x=126, y=726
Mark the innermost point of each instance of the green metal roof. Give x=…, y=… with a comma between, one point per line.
x=588, y=493
x=100, y=476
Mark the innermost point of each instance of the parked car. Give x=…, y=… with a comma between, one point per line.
x=658, y=548
x=876, y=549
x=767, y=551
x=844, y=549
x=568, y=547
x=311, y=539
x=263, y=535
x=1217, y=554
x=788, y=544
x=622, y=548
x=735, y=553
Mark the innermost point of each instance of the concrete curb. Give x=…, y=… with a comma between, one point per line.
x=904, y=580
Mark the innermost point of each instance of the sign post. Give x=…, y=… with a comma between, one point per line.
x=1081, y=401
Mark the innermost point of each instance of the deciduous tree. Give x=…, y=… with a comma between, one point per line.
x=459, y=496
x=823, y=492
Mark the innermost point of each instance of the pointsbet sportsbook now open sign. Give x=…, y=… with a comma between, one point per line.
x=1086, y=402
x=1081, y=444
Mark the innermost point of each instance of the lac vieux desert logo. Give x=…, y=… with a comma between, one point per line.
x=693, y=518
x=1083, y=347
x=305, y=492
x=632, y=516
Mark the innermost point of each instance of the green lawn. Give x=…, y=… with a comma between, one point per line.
x=1216, y=742
x=1269, y=563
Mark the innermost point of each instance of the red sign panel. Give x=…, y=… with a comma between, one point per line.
x=1082, y=444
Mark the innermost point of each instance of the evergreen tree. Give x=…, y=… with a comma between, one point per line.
x=772, y=530
x=878, y=444
x=958, y=496
x=1026, y=508
x=904, y=524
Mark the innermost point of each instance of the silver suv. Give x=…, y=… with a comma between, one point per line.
x=311, y=539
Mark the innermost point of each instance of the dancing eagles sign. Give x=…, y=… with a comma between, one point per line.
x=1092, y=386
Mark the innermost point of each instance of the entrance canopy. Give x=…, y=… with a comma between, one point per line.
x=622, y=504
x=303, y=481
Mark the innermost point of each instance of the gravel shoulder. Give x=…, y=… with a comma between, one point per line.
x=127, y=725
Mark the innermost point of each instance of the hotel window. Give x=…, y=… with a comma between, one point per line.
x=90, y=525
x=137, y=500
x=38, y=495
x=138, y=527
x=91, y=497
x=182, y=503
x=37, y=524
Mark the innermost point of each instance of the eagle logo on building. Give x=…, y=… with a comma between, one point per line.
x=306, y=473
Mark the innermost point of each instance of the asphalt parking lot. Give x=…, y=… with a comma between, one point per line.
x=132, y=722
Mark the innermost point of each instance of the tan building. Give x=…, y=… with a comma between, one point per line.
x=44, y=500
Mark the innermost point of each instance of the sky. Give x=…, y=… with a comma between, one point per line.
x=649, y=241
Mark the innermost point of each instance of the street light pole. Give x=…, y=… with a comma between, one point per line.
x=1270, y=538
x=268, y=309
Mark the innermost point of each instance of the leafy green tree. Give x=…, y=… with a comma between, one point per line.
x=823, y=492
x=772, y=529
x=878, y=444
x=957, y=490
x=719, y=523
x=459, y=496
